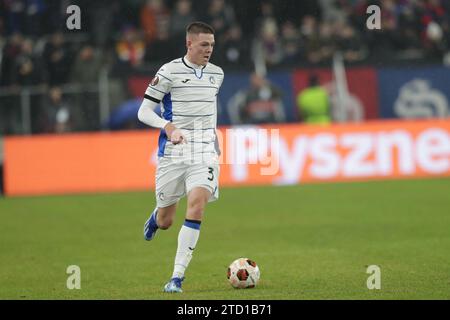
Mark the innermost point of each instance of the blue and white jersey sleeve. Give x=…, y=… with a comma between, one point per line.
x=160, y=85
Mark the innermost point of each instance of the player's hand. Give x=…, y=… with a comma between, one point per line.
x=175, y=135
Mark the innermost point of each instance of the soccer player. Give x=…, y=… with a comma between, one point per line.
x=188, y=157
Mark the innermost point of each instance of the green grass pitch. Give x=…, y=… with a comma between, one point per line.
x=310, y=242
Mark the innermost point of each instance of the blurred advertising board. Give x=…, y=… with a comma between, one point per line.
x=251, y=155
x=412, y=93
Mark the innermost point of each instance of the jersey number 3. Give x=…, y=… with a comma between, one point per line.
x=211, y=172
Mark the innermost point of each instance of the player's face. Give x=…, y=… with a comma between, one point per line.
x=200, y=48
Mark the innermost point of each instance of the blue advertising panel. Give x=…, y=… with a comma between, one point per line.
x=236, y=85
x=414, y=92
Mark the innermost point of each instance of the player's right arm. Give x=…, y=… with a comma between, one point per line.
x=160, y=85
x=150, y=118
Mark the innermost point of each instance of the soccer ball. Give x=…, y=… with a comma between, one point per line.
x=243, y=273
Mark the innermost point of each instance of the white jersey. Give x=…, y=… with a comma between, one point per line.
x=189, y=100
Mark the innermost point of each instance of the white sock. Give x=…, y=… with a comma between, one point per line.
x=187, y=240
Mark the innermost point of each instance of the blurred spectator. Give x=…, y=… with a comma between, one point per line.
x=220, y=16
x=156, y=22
x=55, y=16
x=332, y=10
x=291, y=43
x=308, y=27
x=11, y=51
x=267, y=16
x=25, y=16
x=56, y=115
x=433, y=41
x=34, y=15
x=87, y=66
x=313, y=103
x=154, y=19
x=86, y=72
x=130, y=49
x=57, y=59
x=408, y=33
x=433, y=18
x=310, y=35
x=327, y=42
x=104, y=11
x=181, y=16
x=261, y=103
x=268, y=46
x=27, y=69
x=349, y=43
x=234, y=50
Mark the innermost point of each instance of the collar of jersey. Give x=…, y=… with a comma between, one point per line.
x=196, y=68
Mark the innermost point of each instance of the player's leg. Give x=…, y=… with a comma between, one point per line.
x=202, y=187
x=190, y=230
x=188, y=236
x=196, y=202
x=161, y=218
x=169, y=189
x=166, y=216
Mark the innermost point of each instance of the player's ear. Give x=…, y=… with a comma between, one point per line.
x=188, y=43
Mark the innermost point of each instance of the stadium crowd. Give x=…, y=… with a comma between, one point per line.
x=136, y=36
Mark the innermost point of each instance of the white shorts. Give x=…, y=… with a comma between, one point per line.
x=174, y=180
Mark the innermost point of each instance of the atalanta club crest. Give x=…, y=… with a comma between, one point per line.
x=154, y=81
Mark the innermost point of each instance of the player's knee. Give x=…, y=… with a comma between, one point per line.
x=196, y=208
x=166, y=216
x=165, y=223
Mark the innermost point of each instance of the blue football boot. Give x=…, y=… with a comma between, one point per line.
x=150, y=226
x=174, y=285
